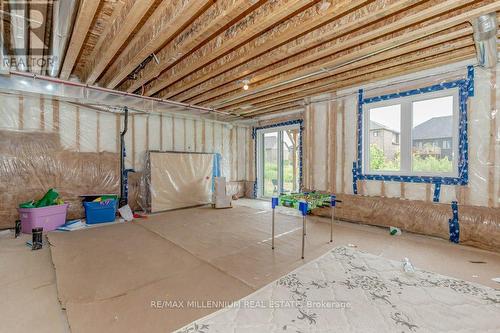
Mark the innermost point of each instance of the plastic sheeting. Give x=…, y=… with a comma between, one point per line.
x=74, y=148
x=178, y=180
x=336, y=116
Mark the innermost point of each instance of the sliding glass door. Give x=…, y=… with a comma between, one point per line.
x=278, y=161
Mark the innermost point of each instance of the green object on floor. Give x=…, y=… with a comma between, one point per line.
x=50, y=198
x=28, y=204
x=314, y=200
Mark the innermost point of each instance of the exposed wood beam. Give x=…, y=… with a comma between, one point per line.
x=436, y=43
x=168, y=19
x=84, y=18
x=293, y=72
x=118, y=31
x=282, y=37
x=393, y=62
x=260, y=20
x=332, y=47
x=281, y=47
x=363, y=77
x=204, y=28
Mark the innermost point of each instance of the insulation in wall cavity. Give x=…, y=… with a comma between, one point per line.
x=209, y=137
x=483, y=188
x=178, y=134
x=9, y=111
x=199, y=139
x=155, y=136
x=189, y=134
x=167, y=133
x=319, y=140
x=140, y=141
x=31, y=114
x=107, y=132
x=69, y=126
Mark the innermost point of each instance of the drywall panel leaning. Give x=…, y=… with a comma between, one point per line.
x=176, y=180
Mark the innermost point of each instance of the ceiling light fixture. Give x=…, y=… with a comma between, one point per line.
x=246, y=85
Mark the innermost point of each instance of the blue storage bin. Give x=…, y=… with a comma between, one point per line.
x=100, y=212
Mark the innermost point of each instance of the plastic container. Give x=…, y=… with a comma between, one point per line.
x=49, y=218
x=100, y=212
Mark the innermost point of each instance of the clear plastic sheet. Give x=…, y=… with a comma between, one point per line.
x=330, y=148
x=73, y=146
x=174, y=180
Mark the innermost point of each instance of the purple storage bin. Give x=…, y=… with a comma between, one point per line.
x=49, y=218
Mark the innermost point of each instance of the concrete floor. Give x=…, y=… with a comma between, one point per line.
x=29, y=295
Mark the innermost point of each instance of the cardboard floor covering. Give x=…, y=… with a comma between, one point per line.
x=108, y=277
x=121, y=277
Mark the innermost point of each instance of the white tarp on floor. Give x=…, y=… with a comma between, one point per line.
x=351, y=291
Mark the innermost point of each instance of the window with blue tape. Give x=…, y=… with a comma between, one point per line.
x=418, y=135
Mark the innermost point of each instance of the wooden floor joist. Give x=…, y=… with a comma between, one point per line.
x=275, y=45
x=338, y=39
x=168, y=18
x=200, y=51
x=390, y=69
x=410, y=52
x=85, y=16
x=126, y=20
x=332, y=61
x=263, y=18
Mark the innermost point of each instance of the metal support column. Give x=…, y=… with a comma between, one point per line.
x=274, y=203
x=303, y=207
x=332, y=205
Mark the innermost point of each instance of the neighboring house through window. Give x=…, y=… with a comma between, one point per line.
x=412, y=135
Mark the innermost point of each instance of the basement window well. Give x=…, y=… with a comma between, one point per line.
x=415, y=136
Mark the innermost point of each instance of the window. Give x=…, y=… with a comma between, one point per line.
x=383, y=155
x=395, y=138
x=418, y=135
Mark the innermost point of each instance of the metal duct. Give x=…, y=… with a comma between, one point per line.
x=63, y=15
x=19, y=16
x=485, y=37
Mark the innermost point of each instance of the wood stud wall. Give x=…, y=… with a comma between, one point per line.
x=206, y=48
x=337, y=152
x=89, y=126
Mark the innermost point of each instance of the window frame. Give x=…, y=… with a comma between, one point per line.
x=406, y=133
x=466, y=89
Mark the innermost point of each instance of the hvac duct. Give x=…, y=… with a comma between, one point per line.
x=485, y=37
x=62, y=20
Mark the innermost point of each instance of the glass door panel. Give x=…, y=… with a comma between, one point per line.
x=271, y=161
x=290, y=160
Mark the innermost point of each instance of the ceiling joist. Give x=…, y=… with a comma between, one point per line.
x=84, y=18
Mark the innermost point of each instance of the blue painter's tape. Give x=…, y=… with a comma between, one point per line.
x=437, y=191
x=333, y=200
x=303, y=207
x=354, y=178
x=454, y=225
x=470, y=81
x=274, y=202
